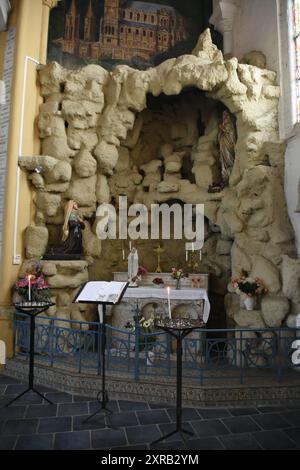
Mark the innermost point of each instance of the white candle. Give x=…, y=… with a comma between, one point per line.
x=29, y=288
x=123, y=253
x=193, y=246
x=169, y=303
x=186, y=255
x=130, y=246
x=200, y=255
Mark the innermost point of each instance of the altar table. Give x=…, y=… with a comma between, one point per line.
x=175, y=295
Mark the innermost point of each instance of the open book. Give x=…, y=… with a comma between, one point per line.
x=102, y=291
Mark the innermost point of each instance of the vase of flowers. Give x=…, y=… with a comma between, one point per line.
x=139, y=275
x=178, y=274
x=146, y=330
x=33, y=286
x=158, y=282
x=249, y=287
x=249, y=302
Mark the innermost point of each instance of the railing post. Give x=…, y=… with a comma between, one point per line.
x=79, y=362
x=241, y=357
x=136, y=348
x=278, y=355
x=201, y=352
x=51, y=341
x=15, y=323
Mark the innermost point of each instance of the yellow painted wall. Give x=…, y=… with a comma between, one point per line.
x=31, y=20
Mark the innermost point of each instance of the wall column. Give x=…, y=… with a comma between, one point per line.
x=223, y=18
x=31, y=43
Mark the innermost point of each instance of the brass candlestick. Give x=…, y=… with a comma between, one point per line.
x=158, y=252
x=192, y=263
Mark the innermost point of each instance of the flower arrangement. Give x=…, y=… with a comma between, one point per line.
x=158, y=281
x=39, y=287
x=178, y=274
x=248, y=285
x=142, y=270
x=146, y=328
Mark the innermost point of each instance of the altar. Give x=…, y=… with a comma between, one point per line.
x=150, y=301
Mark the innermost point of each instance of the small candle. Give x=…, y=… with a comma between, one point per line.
x=193, y=246
x=186, y=255
x=130, y=246
x=200, y=255
x=29, y=288
x=123, y=253
x=169, y=303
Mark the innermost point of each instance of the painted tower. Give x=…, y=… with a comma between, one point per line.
x=109, y=24
x=89, y=24
x=71, y=42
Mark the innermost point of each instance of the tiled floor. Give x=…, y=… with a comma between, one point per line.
x=31, y=423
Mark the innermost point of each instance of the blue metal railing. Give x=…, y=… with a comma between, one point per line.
x=207, y=353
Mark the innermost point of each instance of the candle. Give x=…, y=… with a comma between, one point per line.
x=169, y=303
x=186, y=255
x=130, y=246
x=123, y=253
x=200, y=255
x=29, y=288
x=193, y=246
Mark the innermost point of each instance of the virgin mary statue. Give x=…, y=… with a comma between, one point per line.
x=71, y=247
x=133, y=267
x=227, y=140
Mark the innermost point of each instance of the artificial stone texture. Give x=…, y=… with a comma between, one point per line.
x=36, y=241
x=84, y=164
x=153, y=136
x=290, y=272
x=249, y=319
x=274, y=310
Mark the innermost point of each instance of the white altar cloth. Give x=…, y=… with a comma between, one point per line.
x=175, y=294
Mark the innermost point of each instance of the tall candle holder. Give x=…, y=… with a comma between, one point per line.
x=159, y=250
x=32, y=309
x=178, y=328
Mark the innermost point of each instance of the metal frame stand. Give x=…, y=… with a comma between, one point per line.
x=103, y=393
x=32, y=312
x=179, y=334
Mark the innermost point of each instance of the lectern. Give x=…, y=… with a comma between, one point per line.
x=102, y=293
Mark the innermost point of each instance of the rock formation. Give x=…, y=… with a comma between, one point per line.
x=99, y=140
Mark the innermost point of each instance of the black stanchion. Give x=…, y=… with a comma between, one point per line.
x=103, y=393
x=179, y=329
x=32, y=309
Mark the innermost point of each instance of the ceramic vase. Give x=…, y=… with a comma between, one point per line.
x=249, y=303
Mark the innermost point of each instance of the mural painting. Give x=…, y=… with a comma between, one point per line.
x=111, y=32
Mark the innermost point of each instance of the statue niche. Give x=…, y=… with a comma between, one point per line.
x=71, y=247
x=226, y=142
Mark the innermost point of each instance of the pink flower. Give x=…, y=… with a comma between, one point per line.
x=142, y=270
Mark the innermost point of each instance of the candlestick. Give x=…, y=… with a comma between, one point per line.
x=169, y=303
x=29, y=288
x=158, y=252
